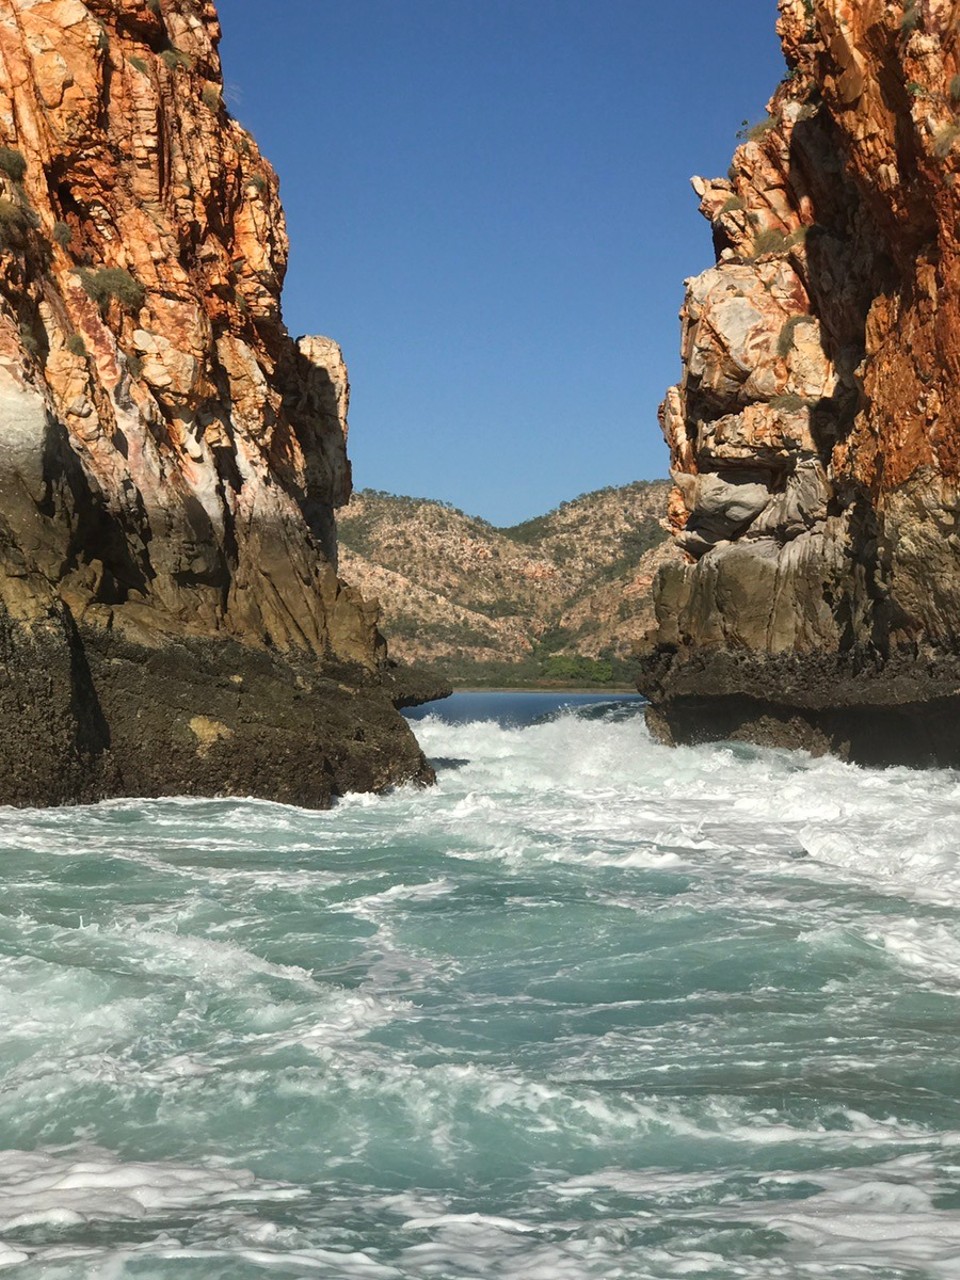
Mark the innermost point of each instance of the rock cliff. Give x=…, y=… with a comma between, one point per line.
x=815, y=436
x=171, y=619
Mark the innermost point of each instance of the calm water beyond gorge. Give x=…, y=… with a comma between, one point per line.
x=591, y=1008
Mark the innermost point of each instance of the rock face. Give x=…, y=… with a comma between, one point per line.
x=815, y=436
x=171, y=619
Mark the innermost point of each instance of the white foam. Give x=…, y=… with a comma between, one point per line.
x=66, y=1187
x=645, y=859
x=467, y=1221
x=165, y=951
x=426, y=891
x=885, y=1215
x=345, y=1017
x=930, y=948
x=10, y=1257
x=112, y=1264
x=895, y=829
x=355, y=1265
x=184, y=998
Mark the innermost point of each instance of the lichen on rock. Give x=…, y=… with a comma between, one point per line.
x=815, y=436
x=170, y=459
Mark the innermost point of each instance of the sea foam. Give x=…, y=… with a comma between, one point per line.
x=589, y=1008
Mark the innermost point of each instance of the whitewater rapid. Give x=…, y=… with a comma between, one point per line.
x=590, y=1009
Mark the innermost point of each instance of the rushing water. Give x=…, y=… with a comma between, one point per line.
x=590, y=1009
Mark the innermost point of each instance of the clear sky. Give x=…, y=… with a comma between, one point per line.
x=489, y=208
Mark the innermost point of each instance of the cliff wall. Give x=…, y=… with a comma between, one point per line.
x=171, y=619
x=815, y=436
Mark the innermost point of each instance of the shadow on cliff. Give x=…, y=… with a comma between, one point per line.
x=99, y=544
x=313, y=411
x=847, y=263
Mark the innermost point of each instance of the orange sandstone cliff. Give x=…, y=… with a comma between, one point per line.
x=815, y=436
x=171, y=619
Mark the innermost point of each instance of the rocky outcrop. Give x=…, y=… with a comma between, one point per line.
x=815, y=436
x=171, y=619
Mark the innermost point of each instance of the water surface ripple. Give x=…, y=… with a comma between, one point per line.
x=591, y=1009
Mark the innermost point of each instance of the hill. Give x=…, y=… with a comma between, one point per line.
x=563, y=597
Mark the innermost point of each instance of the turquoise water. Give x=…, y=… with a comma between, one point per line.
x=588, y=1009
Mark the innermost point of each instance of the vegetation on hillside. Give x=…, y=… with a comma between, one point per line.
x=557, y=599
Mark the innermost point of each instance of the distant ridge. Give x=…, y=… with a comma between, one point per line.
x=562, y=597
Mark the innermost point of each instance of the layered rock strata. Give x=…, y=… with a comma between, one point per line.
x=815, y=436
x=171, y=619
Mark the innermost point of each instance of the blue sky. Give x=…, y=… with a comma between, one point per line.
x=489, y=208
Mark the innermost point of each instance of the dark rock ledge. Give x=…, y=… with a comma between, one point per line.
x=87, y=714
x=903, y=712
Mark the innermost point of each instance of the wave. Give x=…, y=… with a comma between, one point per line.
x=590, y=1007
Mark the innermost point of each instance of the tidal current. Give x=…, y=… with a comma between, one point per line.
x=590, y=1009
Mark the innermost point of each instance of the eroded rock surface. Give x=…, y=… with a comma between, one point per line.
x=815, y=436
x=170, y=460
